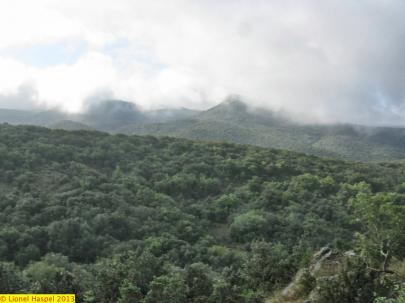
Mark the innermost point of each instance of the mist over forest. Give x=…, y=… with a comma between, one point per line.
x=201, y=151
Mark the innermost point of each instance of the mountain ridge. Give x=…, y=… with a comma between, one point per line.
x=232, y=120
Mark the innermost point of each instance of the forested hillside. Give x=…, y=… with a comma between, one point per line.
x=236, y=122
x=230, y=121
x=117, y=218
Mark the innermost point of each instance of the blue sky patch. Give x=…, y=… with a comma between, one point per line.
x=45, y=55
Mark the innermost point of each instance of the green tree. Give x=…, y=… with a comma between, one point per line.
x=11, y=279
x=354, y=282
x=128, y=292
x=269, y=266
x=252, y=225
x=383, y=221
x=168, y=289
x=199, y=282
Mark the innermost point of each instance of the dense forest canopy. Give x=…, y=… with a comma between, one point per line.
x=116, y=218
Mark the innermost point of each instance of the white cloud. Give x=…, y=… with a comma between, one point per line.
x=328, y=60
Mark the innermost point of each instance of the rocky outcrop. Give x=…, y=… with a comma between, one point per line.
x=324, y=263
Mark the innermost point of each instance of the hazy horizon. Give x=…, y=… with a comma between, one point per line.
x=283, y=114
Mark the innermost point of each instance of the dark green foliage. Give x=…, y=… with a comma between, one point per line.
x=398, y=296
x=199, y=282
x=129, y=292
x=117, y=218
x=353, y=283
x=11, y=280
x=269, y=266
x=170, y=289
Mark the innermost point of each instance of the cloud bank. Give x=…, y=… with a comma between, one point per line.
x=326, y=61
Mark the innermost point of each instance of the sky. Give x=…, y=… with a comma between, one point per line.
x=320, y=60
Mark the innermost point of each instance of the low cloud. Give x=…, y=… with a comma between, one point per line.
x=323, y=61
x=24, y=98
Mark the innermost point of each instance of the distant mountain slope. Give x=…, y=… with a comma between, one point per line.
x=168, y=114
x=233, y=121
x=14, y=116
x=70, y=125
x=107, y=115
x=110, y=114
x=33, y=117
